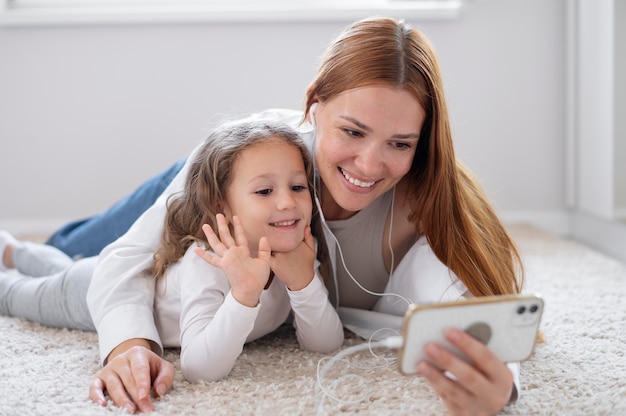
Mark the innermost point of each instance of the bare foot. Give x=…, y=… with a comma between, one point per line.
x=7, y=257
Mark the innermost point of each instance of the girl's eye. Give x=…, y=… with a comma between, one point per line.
x=264, y=192
x=298, y=188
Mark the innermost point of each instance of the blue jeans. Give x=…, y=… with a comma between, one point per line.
x=87, y=237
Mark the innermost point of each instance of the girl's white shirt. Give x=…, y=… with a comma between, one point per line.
x=194, y=309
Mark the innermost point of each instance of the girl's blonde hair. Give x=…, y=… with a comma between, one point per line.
x=209, y=175
x=447, y=204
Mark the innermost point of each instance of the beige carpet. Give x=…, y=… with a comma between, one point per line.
x=580, y=368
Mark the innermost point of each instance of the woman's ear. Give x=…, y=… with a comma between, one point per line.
x=312, y=113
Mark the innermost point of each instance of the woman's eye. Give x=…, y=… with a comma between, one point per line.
x=401, y=145
x=353, y=133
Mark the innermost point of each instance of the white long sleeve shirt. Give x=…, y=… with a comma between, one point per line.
x=194, y=309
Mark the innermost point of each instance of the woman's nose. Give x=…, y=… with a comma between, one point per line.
x=368, y=161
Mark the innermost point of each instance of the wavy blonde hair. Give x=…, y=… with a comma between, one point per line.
x=209, y=175
x=447, y=204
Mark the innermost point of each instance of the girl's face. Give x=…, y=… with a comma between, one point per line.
x=269, y=192
x=365, y=142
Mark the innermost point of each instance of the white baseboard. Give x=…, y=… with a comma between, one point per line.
x=556, y=222
x=33, y=226
x=605, y=235
x=620, y=214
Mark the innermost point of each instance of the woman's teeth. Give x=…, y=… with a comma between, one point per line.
x=356, y=181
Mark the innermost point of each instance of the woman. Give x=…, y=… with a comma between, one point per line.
x=402, y=217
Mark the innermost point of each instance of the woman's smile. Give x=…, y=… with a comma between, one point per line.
x=356, y=182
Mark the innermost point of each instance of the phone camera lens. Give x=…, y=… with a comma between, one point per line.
x=521, y=309
x=534, y=308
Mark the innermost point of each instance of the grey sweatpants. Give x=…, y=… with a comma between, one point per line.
x=52, y=290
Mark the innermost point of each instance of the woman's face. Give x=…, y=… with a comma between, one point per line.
x=269, y=192
x=365, y=142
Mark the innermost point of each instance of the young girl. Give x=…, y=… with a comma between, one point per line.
x=251, y=181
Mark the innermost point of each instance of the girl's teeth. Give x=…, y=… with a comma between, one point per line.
x=356, y=181
x=284, y=223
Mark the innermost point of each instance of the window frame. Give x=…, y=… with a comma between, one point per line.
x=72, y=12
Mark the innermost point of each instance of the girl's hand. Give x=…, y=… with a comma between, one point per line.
x=481, y=390
x=247, y=276
x=295, y=268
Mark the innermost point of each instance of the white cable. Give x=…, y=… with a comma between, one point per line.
x=316, y=185
x=393, y=200
x=389, y=341
x=392, y=342
x=343, y=262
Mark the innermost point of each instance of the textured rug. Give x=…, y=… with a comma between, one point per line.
x=579, y=368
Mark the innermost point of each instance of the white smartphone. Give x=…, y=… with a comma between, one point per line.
x=507, y=324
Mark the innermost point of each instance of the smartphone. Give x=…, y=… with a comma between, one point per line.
x=507, y=324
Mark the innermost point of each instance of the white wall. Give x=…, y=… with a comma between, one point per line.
x=595, y=115
x=599, y=126
x=620, y=108
x=88, y=112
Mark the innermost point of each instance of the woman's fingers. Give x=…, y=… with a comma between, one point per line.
x=482, y=388
x=128, y=378
x=96, y=391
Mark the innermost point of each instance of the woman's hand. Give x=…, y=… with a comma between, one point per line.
x=483, y=389
x=295, y=268
x=129, y=376
x=247, y=275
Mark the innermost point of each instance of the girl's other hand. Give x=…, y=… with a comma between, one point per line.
x=295, y=268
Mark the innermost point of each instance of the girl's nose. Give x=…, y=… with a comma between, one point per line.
x=286, y=200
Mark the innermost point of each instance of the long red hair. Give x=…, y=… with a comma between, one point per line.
x=447, y=204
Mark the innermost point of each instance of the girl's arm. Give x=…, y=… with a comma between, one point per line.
x=219, y=307
x=214, y=326
x=318, y=326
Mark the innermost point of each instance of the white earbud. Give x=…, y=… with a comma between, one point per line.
x=312, y=113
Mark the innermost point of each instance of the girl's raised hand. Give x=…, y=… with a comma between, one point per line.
x=295, y=268
x=247, y=275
